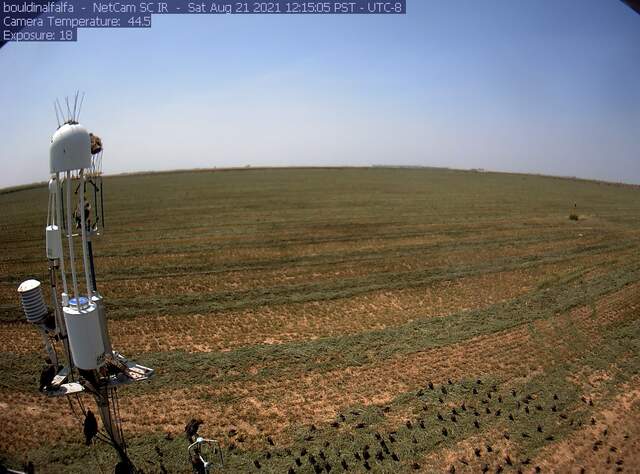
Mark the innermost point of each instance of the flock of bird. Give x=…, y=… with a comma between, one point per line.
x=445, y=418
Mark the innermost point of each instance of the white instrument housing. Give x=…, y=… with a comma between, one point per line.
x=70, y=148
x=85, y=335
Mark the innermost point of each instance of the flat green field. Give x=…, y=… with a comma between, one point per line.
x=375, y=319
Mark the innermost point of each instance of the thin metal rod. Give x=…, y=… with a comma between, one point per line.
x=72, y=259
x=61, y=111
x=57, y=116
x=75, y=106
x=60, y=223
x=85, y=251
x=68, y=108
x=80, y=107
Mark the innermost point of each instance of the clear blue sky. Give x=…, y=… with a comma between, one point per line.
x=544, y=86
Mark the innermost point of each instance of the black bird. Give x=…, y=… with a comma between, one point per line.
x=415, y=466
x=445, y=432
x=391, y=438
x=256, y=463
x=563, y=416
x=507, y=459
x=453, y=418
x=357, y=456
x=335, y=424
x=488, y=411
x=379, y=456
x=526, y=409
x=344, y=464
x=46, y=377
x=366, y=455
x=476, y=424
x=593, y=421
x=90, y=427
x=554, y=408
x=317, y=468
x=539, y=428
x=291, y=471
x=327, y=467
x=443, y=389
x=449, y=382
x=440, y=400
x=298, y=462
x=499, y=399
x=498, y=412
x=511, y=417
x=422, y=424
x=191, y=429
x=489, y=395
x=366, y=466
x=270, y=440
x=525, y=435
x=539, y=407
x=526, y=462
x=506, y=435
x=322, y=455
x=430, y=385
x=513, y=392
x=440, y=417
x=555, y=397
x=312, y=459
x=479, y=382
x=489, y=448
x=378, y=436
x=414, y=440
x=303, y=452
x=395, y=457
x=475, y=413
x=409, y=425
x=477, y=452
x=268, y=455
x=453, y=411
x=475, y=392
x=549, y=438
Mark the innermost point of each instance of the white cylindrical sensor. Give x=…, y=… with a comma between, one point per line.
x=54, y=242
x=32, y=301
x=85, y=334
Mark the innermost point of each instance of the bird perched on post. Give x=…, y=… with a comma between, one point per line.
x=90, y=427
x=46, y=376
x=191, y=429
x=96, y=144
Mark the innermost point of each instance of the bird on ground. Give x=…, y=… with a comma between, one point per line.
x=489, y=448
x=256, y=463
x=344, y=464
x=430, y=385
x=477, y=452
x=90, y=427
x=476, y=424
x=445, y=432
x=395, y=457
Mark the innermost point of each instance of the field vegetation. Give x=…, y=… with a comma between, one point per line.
x=384, y=320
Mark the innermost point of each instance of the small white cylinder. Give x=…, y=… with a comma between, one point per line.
x=54, y=242
x=85, y=334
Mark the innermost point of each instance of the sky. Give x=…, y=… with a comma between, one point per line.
x=538, y=86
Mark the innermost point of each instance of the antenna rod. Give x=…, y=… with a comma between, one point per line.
x=68, y=109
x=57, y=116
x=75, y=106
x=61, y=111
x=80, y=107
